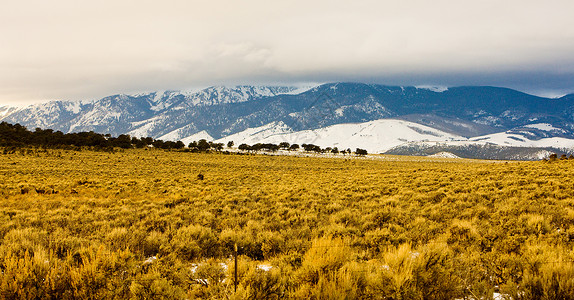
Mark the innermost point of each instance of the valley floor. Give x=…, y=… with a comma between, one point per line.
x=145, y=224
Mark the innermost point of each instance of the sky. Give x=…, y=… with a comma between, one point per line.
x=73, y=50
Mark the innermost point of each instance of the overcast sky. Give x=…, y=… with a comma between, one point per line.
x=71, y=49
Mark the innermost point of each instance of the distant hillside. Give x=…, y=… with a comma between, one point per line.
x=477, y=151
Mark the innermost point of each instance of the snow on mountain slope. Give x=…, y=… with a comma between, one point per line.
x=43, y=115
x=147, y=114
x=179, y=133
x=258, y=134
x=162, y=100
x=224, y=95
x=196, y=137
x=518, y=140
x=375, y=136
x=512, y=140
x=188, y=110
x=6, y=110
x=144, y=128
x=544, y=127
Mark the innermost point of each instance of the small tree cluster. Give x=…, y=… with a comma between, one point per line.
x=311, y=148
x=168, y=144
x=203, y=145
x=259, y=147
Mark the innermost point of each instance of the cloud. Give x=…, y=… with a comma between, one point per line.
x=65, y=49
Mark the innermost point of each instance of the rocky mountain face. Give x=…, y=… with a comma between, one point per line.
x=488, y=115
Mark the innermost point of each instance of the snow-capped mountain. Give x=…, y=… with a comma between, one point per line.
x=153, y=114
x=369, y=116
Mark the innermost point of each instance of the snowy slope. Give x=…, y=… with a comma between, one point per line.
x=519, y=140
x=375, y=136
x=44, y=115
x=183, y=132
x=145, y=128
x=529, y=142
x=544, y=127
x=512, y=140
x=258, y=134
x=536, y=135
x=196, y=137
x=381, y=135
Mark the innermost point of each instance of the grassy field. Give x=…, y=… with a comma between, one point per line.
x=141, y=224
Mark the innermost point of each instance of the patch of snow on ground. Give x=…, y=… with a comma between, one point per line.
x=150, y=260
x=498, y=296
x=495, y=296
x=265, y=267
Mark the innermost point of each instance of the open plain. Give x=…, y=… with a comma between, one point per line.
x=152, y=224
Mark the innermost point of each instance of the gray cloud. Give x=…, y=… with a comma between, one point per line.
x=67, y=49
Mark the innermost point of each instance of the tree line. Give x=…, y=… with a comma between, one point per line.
x=296, y=147
x=16, y=135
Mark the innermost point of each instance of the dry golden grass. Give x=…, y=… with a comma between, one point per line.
x=74, y=224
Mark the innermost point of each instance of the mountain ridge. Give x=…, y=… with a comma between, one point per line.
x=220, y=112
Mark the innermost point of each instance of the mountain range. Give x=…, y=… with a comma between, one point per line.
x=469, y=121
